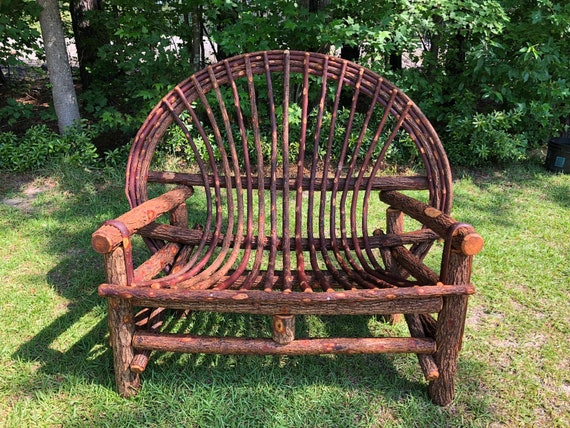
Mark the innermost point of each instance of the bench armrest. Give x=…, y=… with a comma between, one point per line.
x=107, y=237
x=464, y=238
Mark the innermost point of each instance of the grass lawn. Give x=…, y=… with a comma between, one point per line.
x=56, y=367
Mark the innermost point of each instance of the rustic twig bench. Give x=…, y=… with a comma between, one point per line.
x=273, y=213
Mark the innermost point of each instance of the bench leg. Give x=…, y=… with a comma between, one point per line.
x=121, y=330
x=449, y=335
x=121, y=321
x=449, y=332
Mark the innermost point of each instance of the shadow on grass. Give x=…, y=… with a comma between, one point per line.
x=560, y=193
x=208, y=390
x=82, y=329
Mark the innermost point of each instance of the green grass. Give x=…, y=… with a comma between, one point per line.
x=56, y=368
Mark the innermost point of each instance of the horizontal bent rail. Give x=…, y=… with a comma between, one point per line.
x=426, y=299
x=249, y=346
x=377, y=183
x=194, y=237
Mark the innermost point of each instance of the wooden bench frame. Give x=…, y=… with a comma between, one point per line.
x=228, y=264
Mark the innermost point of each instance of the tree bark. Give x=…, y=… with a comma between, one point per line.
x=449, y=332
x=89, y=35
x=63, y=91
x=252, y=346
x=197, y=51
x=121, y=322
x=283, y=329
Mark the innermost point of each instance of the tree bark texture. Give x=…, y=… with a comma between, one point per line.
x=464, y=239
x=247, y=346
x=426, y=299
x=108, y=237
x=63, y=90
x=283, y=329
x=121, y=327
x=449, y=332
x=89, y=35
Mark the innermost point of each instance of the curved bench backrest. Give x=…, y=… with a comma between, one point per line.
x=288, y=147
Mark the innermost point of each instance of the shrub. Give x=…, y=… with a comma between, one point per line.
x=486, y=137
x=41, y=146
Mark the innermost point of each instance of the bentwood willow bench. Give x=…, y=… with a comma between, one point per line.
x=276, y=211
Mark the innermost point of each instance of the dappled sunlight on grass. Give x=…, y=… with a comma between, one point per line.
x=513, y=369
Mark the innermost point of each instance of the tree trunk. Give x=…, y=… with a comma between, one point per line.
x=89, y=35
x=63, y=91
x=197, y=48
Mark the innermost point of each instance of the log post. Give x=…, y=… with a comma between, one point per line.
x=152, y=320
x=179, y=216
x=449, y=331
x=283, y=329
x=121, y=326
x=163, y=257
x=395, y=225
x=427, y=362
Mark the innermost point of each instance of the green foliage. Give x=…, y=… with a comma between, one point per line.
x=527, y=67
x=41, y=146
x=17, y=34
x=15, y=111
x=266, y=24
x=485, y=138
x=463, y=59
x=487, y=66
x=143, y=59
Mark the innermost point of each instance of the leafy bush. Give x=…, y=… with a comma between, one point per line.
x=41, y=146
x=474, y=67
x=15, y=111
x=485, y=138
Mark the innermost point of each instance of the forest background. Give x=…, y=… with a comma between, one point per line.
x=491, y=75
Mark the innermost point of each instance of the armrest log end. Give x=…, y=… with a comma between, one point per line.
x=108, y=237
x=465, y=239
x=472, y=244
x=105, y=239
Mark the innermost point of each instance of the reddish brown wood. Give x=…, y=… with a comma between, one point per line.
x=282, y=223
x=427, y=363
x=449, y=332
x=196, y=236
x=429, y=324
x=108, y=237
x=394, y=227
x=379, y=301
x=465, y=239
x=157, y=262
x=378, y=183
x=179, y=215
x=248, y=346
x=149, y=319
x=121, y=327
x=283, y=329
x=414, y=266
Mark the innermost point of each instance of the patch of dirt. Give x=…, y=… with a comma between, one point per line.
x=27, y=189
